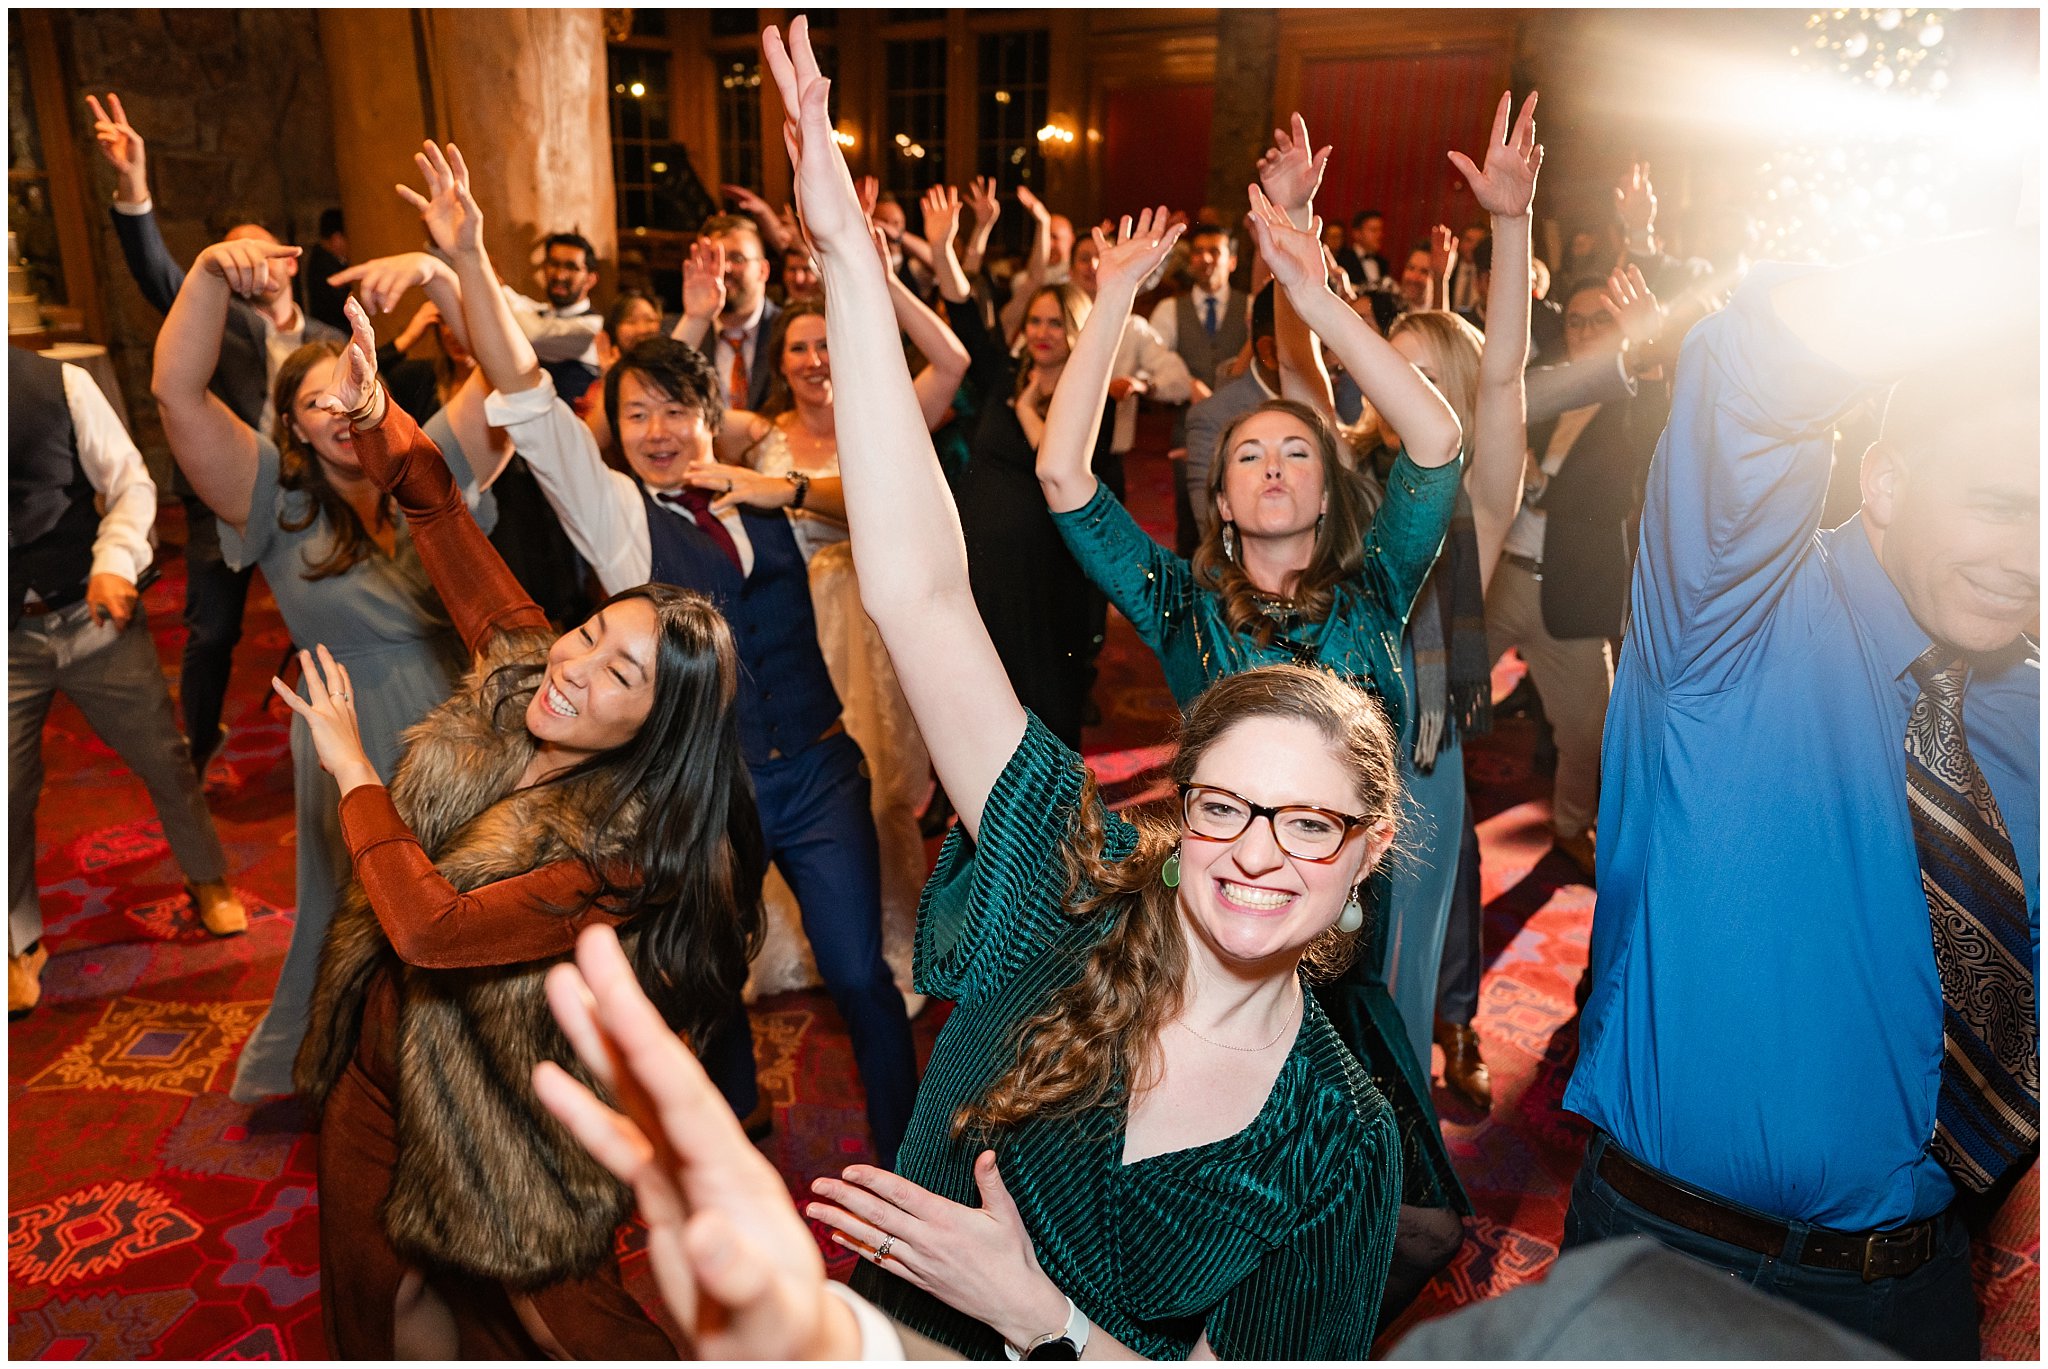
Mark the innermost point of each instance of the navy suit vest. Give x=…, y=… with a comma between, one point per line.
x=786, y=697
x=51, y=517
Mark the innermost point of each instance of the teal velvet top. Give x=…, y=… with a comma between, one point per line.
x=1274, y=1241
x=1183, y=621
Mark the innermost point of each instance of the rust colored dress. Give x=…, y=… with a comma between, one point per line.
x=431, y=924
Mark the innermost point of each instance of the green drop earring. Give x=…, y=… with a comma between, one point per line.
x=1169, y=873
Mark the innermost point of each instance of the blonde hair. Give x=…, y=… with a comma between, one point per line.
x=1103, y=1029
x=1074, y=307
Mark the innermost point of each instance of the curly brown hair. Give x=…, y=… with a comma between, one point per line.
x=299, y=469
x=1102, y=1031
x=1340, y=540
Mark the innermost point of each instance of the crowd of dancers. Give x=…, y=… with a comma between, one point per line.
x=602, y=618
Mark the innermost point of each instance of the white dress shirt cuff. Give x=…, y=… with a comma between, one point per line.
x=137, y=210
x=878, y=1338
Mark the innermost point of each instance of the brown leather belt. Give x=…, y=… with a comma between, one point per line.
x=1873, y=1254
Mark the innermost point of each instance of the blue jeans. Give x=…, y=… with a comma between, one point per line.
x=1931, y=1313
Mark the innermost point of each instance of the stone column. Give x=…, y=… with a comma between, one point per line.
x=1247, y=66
x=521, y=92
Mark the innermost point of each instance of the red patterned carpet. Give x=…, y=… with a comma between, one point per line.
x=151, y=1216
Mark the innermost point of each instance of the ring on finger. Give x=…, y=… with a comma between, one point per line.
x=882, y=1251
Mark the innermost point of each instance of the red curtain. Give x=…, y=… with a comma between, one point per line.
x=1156, y=148
x=1391, y=120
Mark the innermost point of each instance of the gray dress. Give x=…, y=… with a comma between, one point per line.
x=382, y=620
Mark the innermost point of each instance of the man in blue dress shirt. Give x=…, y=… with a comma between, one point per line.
x=1784, y=1083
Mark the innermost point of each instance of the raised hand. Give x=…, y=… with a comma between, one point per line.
x=1443, y=249
x=245, y=264
x=1289, y=172
x=1293, y=255
x=941, y=206
x=356, y=377
x=1505, y=186
x=1137, y=251
x=329, y=709
x=826, y=203
x=1033, y=205
x=450, y=213
x=772, y=227
x=123, y=148
x=382, y=281
x=735, y=1263
x=704, y=279
x=983, y=200
x=1636, y=201
x=1628, y=298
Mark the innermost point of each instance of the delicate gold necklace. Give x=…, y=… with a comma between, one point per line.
x=1293, y=1020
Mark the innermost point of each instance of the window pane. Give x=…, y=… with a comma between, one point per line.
x=1013, y=71
x=914, y=118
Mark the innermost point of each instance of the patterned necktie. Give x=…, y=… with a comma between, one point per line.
x=736, y=338
x=1989, y=1112
x=1209, y=315
x=696, y=506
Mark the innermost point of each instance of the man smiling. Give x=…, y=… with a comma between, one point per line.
x=1813, y=1019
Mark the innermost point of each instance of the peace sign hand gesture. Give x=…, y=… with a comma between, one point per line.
x=1136, y=253
x=1507, y=184
x=825, y=200
x=448, y=210
x=122, y=147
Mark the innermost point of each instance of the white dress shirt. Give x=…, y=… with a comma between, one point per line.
x=278, y=343
x=565, y=334
x=600, y=508
x=721, y=350
x=1525, y=534
x=115, y=470
x=1166, y=314
x=1142, y=354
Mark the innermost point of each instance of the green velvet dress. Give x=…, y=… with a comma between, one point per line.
x=1274, y=1242
x=1183, y=622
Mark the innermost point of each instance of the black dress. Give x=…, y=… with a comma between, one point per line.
x=1033, y=598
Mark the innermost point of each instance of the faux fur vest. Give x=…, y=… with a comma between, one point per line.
x=486, y=1179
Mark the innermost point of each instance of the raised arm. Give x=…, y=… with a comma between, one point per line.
x=906, y=533
x=1074, y=421
x=1033, y=275
x=215, y=449
x=481, y=594
x=156, y=273
x=988, y=207
x=1290, y=173
x=941, y=206
x=1428, y=428
x=776, y=234
x=1505, y=188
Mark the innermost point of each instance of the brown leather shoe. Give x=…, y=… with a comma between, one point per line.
x=1465, y=1074
x=218, y=907
x=1579, y=851
x=25, y=980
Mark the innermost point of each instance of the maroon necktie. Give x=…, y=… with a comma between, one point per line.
x=697, y=504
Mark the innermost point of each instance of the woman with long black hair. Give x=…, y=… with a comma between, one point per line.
x=590, y=777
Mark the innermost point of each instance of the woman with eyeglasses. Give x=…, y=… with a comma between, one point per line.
x=1138, y=1134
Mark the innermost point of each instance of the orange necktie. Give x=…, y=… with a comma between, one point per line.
x=735, y=338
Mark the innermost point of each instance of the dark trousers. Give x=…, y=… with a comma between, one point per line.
x=1457, y=979
x=214, y=599
x=1929, y=1314
x=821, y=835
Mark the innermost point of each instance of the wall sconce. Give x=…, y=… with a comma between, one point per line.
x=1054, y=136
